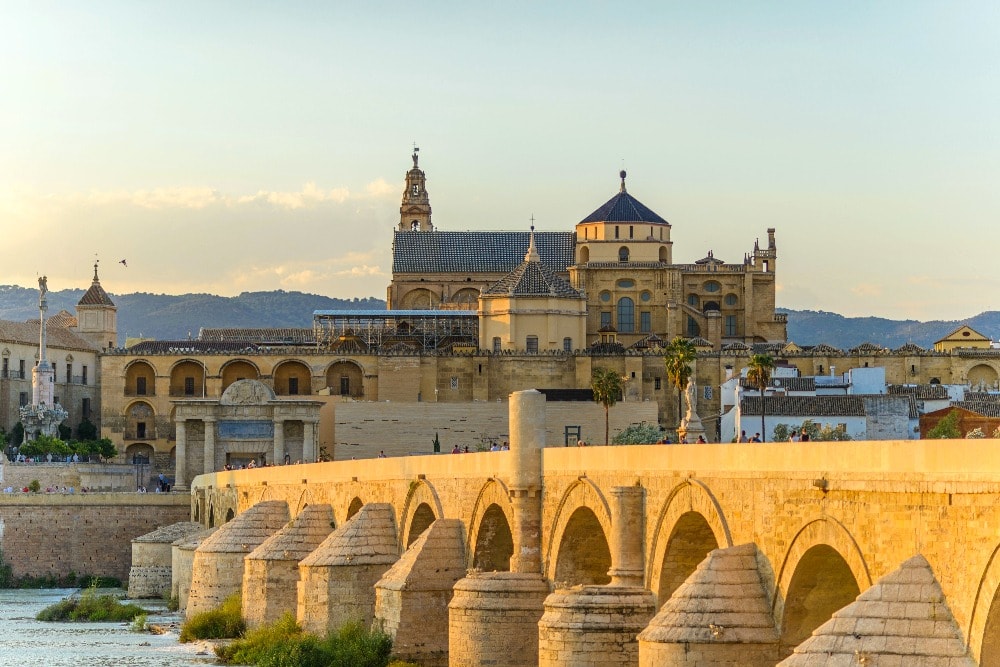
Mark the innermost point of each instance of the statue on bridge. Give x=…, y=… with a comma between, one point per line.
x=691, y=428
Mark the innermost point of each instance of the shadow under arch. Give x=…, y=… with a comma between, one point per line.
x=690, y=513
x=305, y=499
x=354, y=507
x=490, y=525
x=414, y=519
x=822, y=571
x=983, y=634
x=582, y=493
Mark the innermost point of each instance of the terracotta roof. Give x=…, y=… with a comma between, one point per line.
x=652, y=341
x=902, y=620
x=57, y=337
x=868, y=348
x=825, y=350
x=921, y=391
x=63, y=318
x=477, y=252
x=95, y=296
x=909, y=348
x=264, y=335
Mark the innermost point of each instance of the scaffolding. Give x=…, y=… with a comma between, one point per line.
x=388, y=331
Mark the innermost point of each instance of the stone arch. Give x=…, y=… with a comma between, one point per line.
x=140, y=421
x=139, y=452
x=468, y=297
x=584, y=556
x=681, y=533
x=305, y=500
x=238, y=369
x=584, y=255
x=420, y=298
x=421, y=493
x=582, y=493
x=983, y=636
x=623, y=254
x=230, y=515
x=140, y=378
x=292, y=377
x=982, y=373
x=345, y=378
x=823, y=568
x=211, y=516
x=187, y=378
x=421, y=520
x=485, y=545
x=354, y=507
x=663, y=253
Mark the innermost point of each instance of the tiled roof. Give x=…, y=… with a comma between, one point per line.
x=767, y=348
x=477, y=252
x=623, y=207
x=652, y=341
x=805, y=406
x=921, y=391
x=738, y=346
x=63, y=318
x=868, y=348
x=532, y=279
x=903, y=619
x=982, y=396
x=698, y=341
x=26, y=333
x=825, y=350
x=267, y=335
x=192, y=347
x=979, y=407
x=791, y=384
x=909, y=348
x=95, y=296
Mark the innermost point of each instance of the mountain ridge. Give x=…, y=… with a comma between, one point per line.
x=178, y=317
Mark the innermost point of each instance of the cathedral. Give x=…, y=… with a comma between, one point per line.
x=611, y=278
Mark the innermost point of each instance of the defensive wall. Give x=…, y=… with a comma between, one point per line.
x=54, y=534
x=827, y=520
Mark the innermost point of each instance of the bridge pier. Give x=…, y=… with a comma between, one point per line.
x=150, y=574
x=337, y=580
x=493, y=616
x=271, y=576
x=217, y=569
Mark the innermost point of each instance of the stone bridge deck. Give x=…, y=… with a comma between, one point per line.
x=828, y=519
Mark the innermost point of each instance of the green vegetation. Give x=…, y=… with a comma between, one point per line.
x=173, y=602
x=608, y=387
x=759, y=376
x=639, y=434
x=34, y=486
x=947, y=428
x=284, y=644
x=89, y=606
x=6, y=573
x=816, y=432
x=678, y=357
x=41, y=446
x=223, y=622
x=139, y=623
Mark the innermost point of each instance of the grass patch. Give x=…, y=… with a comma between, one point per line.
x=89, y=606
x=284, y=644
x=223, y=622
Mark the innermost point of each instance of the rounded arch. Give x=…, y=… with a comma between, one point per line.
x=584, y=556
x=687, y=498
x=354, y=507
x=238, y=369
x=626, y=315
x=484, y=545
x=584, y=255
x=305, y=500
x=230, y=515
x=420, y=298
x=422, y=519
x=821, y=584
x=140, y=378
x=421, y=493
x=292, y=377
x=664, y=254
x=345, y=378
x=822, y=571
x=983, y=637
x=187, y=378
x=467, y=297
x=623, y=254
x=140, y=421
x=211, y=516
x=710, y=305
x=581, y=493
x=982, y=374
x=139, y=453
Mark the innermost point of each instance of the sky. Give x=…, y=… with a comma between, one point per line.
x=223, y=147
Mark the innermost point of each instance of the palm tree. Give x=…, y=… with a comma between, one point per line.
x=608, y=386
x=680, y=353
x=759, y=375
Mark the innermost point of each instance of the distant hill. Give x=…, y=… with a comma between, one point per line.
x=168, y=317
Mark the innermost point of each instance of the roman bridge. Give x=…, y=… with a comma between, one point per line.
x=563, y=555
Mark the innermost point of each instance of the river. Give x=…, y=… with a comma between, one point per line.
x=25, y=642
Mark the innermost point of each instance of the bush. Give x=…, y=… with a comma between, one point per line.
x=90, y=606
x=173, y=602
x=34, y=486
x=639, y=434
x=284, y=644
x=223, y=622
x=139, y=623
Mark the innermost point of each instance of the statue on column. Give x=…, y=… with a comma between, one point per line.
x=691, y=429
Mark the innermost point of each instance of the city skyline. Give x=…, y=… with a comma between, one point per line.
x=224, y=148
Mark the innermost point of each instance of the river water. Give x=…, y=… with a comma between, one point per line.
x=25, y=642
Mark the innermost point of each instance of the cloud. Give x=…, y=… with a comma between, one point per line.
x=309, y=196
x=866, y=290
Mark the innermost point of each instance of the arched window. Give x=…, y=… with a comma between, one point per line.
x=626, y=315
x=623, y=254
x=496, y=345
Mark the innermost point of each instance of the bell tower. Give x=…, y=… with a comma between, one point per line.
x=415, y=211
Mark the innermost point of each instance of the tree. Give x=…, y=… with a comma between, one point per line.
x=86, y=430
x=946, y=428
x=608, y=386
x=678, y=357
x=639, y=434
x=759, y=376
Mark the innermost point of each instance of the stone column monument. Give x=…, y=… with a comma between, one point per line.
x=691, y=426
x=43, y=415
